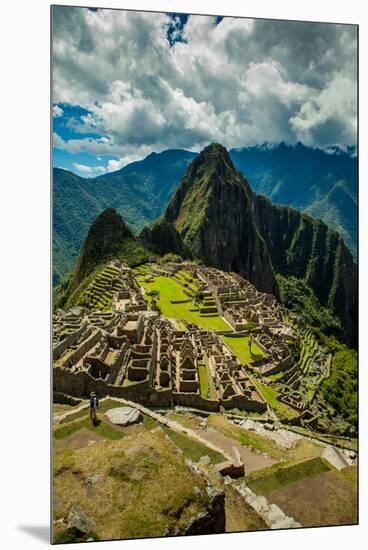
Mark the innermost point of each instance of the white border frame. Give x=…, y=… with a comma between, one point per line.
x=25, y=276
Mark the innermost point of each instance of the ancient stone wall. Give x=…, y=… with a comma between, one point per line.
x=213, y=520
x=70, y=340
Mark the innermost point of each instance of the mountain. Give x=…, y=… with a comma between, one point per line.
x=226, y=225
x=212, y=212
x=322, y=183
x=108, y=238
x=140, y=192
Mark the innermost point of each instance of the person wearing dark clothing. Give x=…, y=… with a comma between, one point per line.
x=93, y=404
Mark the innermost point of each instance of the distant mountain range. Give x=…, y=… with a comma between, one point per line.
x=214, y=217
x=321, y=183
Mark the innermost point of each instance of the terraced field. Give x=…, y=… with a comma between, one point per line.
x=175, y=304
x=99, y=293
x=240, y=346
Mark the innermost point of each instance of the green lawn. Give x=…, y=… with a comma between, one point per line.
x=206, y=383
x=169, y=290
x=192, y=449
x=240, y=346
x=278, y=477
x=270, y=395
x=104, y=430
x=103, y=407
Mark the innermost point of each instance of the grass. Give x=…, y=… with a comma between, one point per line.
x=326, y=498
x=103, y=407
x=270, y=395
x=170, y=290
x=103, y=429
x=304, y=450
x=192, y=449
x=206, y=383
x=265, y=483
x=144, y=488
x=240, y=346
x=246, y=438
x=275, y=377
x=190, y=422
x=350, y=473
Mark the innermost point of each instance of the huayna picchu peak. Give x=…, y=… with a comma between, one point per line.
x=223, y=223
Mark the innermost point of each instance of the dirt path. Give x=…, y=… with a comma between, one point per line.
x=228, y=447
x=252, y=461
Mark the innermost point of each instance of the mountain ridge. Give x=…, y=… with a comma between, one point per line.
x=141, y=191
x=227, y=225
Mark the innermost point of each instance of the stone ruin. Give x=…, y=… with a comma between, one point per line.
x=134, y=352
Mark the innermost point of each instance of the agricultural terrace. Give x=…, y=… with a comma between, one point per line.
x=175, y=304
x=240, y=346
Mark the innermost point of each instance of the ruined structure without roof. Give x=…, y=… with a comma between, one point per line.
x=134, y=352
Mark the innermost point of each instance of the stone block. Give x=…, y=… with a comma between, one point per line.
x=79, y=520
x=124, y=416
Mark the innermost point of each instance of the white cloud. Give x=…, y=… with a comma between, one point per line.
x=57, y=111
x=88, y=169
x=97, y=146
x=240, y=82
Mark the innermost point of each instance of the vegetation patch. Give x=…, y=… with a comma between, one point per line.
x=173, y=303
x=322, y=499
x=240, y=346
x=264, y=484
x=101, y=428
x=192, y=449
x=206, y=383
x=142, y=488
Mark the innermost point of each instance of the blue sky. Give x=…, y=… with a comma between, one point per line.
x=129, y=83
x=67, y=125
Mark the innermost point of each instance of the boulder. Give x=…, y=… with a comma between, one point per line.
x=77, y=519
x=124, y=416
x=275, y=514
x=259, y=504
x=285, y=523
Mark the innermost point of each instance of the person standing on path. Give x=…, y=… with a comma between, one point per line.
x=93, y=404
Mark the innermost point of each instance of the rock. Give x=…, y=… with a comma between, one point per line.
x=227, y=480
x=93, y=479
x=275, y=514
x=79, y=520
x=249, y=425
x=285, y=523
x=205, y=460
x=259, y=504
x=124, y=416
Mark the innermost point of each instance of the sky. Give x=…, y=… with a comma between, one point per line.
x=129, y=83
